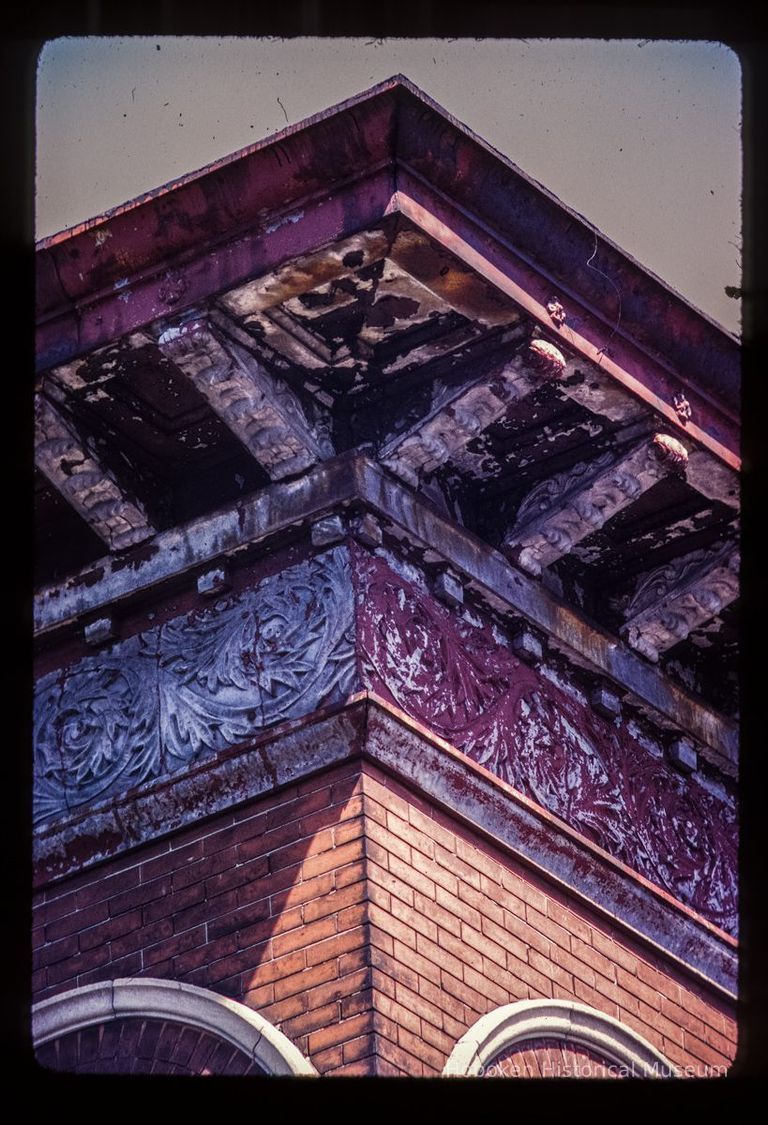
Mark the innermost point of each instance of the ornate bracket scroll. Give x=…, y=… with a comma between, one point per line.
x=458, y=677
x=85, y=483
x=671, y=601
x=159, y=701
x=450, y=425
x=566, y=508
x=262, y=413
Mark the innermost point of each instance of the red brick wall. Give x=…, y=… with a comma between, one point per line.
x=370, y=929
x=266, y=905
x=550, y=1058
x=458, y=929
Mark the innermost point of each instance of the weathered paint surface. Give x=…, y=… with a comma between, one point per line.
x=86, y=484
x=260, y=412
x=672, y=600
x=343, y=480
x=163, y=699
x=264, y=763
x=629, y=365
x=461, y=680
x=568, y=507
x=451, y=425
x=157, y=702
x=391, y=148
x=389, y=284
x=367, y=725
x=514, y=821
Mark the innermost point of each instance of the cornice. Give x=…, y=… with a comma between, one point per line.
x=389, y=149
x=181, y=554
x=366, y=727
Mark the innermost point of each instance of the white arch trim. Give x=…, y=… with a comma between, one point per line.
x=558, y=1019
x=180, y=1003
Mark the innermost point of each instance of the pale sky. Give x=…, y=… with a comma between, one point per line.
x=642, y=138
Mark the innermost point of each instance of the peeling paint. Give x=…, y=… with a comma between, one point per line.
x=283, y=221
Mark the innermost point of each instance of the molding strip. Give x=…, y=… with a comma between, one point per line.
x=345, y=480
x=367, y=726
x=560, y=1019
x=637, y=372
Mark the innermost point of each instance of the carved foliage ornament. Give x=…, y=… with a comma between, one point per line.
x=260, y=411
x=568, y=507
x=672, y=600
x=444, y=435
x=459, y=680
x=84, y=483
x=161, y=700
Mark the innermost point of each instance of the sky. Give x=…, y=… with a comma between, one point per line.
x=641, y=137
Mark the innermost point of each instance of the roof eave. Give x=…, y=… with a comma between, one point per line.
x=338, y=172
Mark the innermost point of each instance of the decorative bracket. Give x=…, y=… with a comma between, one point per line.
x=263, y=414
x=564, y=509
x=85, y=483
x=674, y=599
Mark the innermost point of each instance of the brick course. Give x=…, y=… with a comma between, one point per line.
x=504, y=935
x=372, y=930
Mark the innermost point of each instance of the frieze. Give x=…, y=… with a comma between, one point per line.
x=160, y=701
x=155, y=704
x=459, y=678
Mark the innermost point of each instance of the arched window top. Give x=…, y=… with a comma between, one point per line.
x=184, y=1004
x=563, y=1020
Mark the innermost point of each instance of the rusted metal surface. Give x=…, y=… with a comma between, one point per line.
x=260, y=765
x=129, y=300
x=255, y=519
x=457, y=163
x=308, y=160
x=416, y=338
x=256, y=353
x=84, y=482
x=163, y=699
x=457, y=675
x=713, y=422
x=506, y=587
x=566, y=508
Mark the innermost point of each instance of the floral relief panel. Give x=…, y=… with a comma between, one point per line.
x=457, y=676
x=162, y=700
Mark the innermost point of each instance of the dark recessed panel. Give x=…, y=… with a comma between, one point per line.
x=63, y=540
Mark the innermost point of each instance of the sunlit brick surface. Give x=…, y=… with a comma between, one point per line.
x=371, y=928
